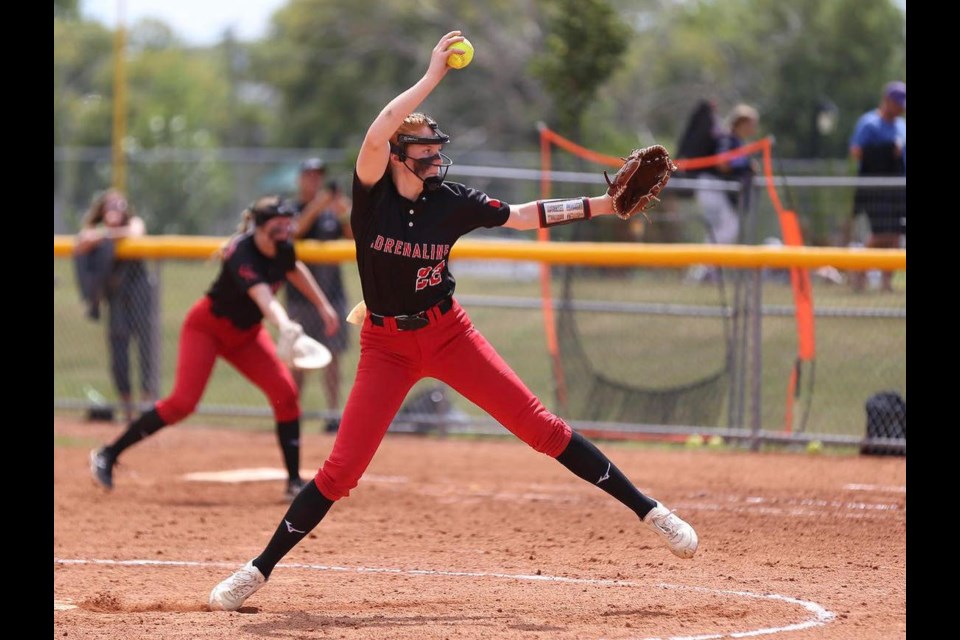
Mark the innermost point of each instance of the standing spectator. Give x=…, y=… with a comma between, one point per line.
x=323, y=214
x=721, y=207
x=879, y=147
x=697, y=140
x=129, y=290
x=700, y=136
x=227, y=322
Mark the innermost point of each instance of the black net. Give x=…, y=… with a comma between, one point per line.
x=643, y=346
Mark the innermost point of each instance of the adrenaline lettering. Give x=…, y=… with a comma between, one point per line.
x=421, y=250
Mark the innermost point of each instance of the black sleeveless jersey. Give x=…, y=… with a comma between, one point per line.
x=403, y=246
x=242, y=267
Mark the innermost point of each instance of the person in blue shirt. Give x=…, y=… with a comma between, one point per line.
x=879, y=148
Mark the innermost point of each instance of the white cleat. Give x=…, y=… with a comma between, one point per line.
x=679, y=536
x=230, y=594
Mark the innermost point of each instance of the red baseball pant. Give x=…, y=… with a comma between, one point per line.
x=450, y=350
x=203, y=338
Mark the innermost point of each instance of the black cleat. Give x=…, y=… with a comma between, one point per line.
x=101, y=467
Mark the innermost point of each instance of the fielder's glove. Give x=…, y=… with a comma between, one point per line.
x=289, y=333
x=639, y=180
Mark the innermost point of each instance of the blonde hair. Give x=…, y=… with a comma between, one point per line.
x=740, y=113
x=411, y=125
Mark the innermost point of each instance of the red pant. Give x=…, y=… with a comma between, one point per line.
x=450, y=350
x=251, y=351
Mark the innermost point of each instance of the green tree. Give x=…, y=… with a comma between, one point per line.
x=822, y=45
x=334, y=65
x=784, y=58
x=81, y=115
x=583, y=46
x=66, y=9
x=613, y=74
x=175, y=104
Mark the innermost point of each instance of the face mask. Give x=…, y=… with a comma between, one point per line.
x=440, y=160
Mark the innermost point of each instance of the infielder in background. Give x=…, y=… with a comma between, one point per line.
x=405, y=220
x=322, y=214
x=227, y=322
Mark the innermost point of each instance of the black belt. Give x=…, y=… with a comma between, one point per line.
x=416, y=320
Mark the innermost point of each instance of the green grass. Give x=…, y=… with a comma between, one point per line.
x=855, y=357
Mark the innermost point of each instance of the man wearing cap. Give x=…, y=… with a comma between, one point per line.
x=323, y=214
x=879, y=147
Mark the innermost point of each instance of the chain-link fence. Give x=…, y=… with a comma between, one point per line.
x=651, y=335
x=729, y=335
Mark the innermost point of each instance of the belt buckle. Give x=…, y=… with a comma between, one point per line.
x=411, y=322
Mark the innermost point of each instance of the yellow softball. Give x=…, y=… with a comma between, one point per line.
x=460, y=60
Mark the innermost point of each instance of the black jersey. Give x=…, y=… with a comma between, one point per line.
x=326, y=226
x=244, y=266
x=403, y=246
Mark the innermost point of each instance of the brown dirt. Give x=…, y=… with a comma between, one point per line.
x=457, y=539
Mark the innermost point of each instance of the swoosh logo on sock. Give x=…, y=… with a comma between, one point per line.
x=605, y=476
x=290, y=528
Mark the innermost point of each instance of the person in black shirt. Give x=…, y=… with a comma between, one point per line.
x=227, y=323
x=323, y=213
x=405, y=220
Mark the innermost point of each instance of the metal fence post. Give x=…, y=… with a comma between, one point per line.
x=756, y=350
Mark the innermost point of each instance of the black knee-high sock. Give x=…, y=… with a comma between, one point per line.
x=288, y=434
x=586, y=461
x=305, y=513
x=146, y=425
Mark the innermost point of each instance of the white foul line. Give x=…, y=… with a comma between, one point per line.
x=820, y=617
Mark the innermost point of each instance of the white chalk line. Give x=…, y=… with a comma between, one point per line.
x=63, y=605
x=878, y=488
x=795, y=507
x=821, y=615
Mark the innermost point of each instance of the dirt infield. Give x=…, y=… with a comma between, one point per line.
x=478, y=539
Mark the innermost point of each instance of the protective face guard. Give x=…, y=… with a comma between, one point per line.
x=436, y=160
x=438, y=137
x=422, y=164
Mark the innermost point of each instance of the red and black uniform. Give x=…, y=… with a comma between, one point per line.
x=414, y=327
x=226, y=322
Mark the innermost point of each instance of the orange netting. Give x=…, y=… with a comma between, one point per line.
x=789, y=226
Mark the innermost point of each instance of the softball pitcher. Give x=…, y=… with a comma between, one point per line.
x=405, y=220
